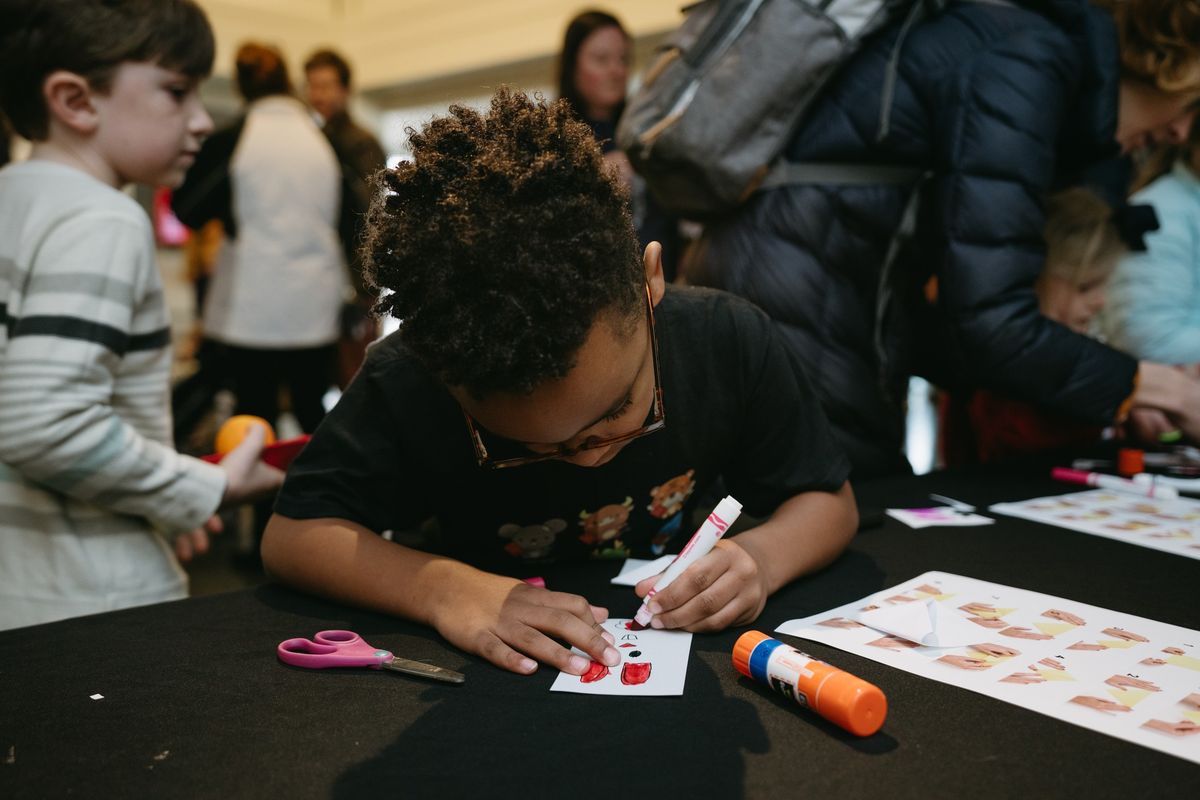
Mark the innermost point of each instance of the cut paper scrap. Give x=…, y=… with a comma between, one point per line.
x=937, y=517
x=928, y=623
x=635, y=570
x=653, y=663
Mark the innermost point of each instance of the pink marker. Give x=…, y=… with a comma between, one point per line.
x=702, y=541
x=1113, y=482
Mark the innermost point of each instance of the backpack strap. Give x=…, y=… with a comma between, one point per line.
x=785, y=173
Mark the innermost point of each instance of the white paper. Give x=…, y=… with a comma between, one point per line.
x=937, y=516
x=1125, y=676
x=636, y=570
x=929, y=623
x=653, y=662
x=1171, y=525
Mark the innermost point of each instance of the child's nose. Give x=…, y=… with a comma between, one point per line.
x=588, y=458
x=1178, y=129
x=202, y=124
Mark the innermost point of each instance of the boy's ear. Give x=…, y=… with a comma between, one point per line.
x=69, y=101
x=652, y=261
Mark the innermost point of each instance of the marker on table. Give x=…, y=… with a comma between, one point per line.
x=1114, y=483
x=702, y=541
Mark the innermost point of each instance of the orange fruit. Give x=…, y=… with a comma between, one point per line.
x=235, y=429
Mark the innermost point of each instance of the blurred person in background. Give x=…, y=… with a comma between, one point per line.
x=593, y=75
x=1000, y=105
x=275, y=296
x=1154, y=304
x=1083, y=246
x=328, y=85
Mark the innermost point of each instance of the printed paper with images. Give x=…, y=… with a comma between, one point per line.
x=1126, y=676
x=1172, y=525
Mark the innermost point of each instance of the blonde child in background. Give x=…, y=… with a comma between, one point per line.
x=1083, y=246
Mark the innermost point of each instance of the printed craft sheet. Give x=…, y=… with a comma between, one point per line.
x=1126, y=676
x=653, y=662
x=1170, y=525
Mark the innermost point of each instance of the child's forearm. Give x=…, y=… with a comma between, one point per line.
x=344, y=561
x=805, y=533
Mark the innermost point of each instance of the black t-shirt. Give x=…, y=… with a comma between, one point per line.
x=395, y=450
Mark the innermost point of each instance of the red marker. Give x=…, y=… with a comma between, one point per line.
x=702, y=541
x=1112, y=482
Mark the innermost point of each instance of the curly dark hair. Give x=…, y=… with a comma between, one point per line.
x=502, y=242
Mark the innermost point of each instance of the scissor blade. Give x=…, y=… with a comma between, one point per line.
x=423, y=670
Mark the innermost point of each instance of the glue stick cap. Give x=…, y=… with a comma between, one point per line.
x=1130, y=461
x=743, y=648
x=852, y=703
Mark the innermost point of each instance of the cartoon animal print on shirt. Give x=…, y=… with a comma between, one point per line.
x=602, y=529
x=666, y=503
x=531, y=542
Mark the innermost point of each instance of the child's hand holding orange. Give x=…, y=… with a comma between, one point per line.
x=241, y=440
x=231, y=434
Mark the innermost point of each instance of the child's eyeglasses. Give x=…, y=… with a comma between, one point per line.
x=656, y=422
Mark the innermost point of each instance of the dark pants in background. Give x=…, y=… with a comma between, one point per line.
x=258, y=375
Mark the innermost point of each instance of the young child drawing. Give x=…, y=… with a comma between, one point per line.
x=543, y=369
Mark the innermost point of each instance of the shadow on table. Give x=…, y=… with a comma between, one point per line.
x=476, y=742
x=874, y=745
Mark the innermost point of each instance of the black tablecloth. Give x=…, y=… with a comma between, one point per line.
x=196, y=704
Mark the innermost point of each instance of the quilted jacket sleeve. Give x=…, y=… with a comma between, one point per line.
x=994, y=158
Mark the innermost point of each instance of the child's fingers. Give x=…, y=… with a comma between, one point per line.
x=191, y=544
x=496, y=651
x=643, y=587
x=183, y=547
x=714, y=609
x=565, y=625
x=692, y=582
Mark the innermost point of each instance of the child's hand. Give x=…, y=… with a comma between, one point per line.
x=515, y=625
x=195, y=542
x=726, y=587
x=247, y=477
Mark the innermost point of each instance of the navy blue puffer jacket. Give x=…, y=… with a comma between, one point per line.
x=1000, y=104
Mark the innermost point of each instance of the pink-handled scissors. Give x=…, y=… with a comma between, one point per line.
x=347, y=649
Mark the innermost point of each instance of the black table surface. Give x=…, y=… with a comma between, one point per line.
x=197, y=705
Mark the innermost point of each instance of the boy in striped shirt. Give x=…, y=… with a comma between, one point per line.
x=91, y=489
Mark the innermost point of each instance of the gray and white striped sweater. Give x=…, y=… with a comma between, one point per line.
x=89, y=479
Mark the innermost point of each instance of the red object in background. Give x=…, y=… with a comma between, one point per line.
x=278, y=455
x=1130, y=461
x=168, y=230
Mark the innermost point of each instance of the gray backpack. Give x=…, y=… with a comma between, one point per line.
x=729, y=86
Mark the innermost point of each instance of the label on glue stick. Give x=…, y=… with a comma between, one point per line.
x=785, y=669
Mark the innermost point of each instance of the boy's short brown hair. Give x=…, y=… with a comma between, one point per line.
x=1082, y=241
x=92, y=38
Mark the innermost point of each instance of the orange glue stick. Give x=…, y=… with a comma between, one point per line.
x=843, y=699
